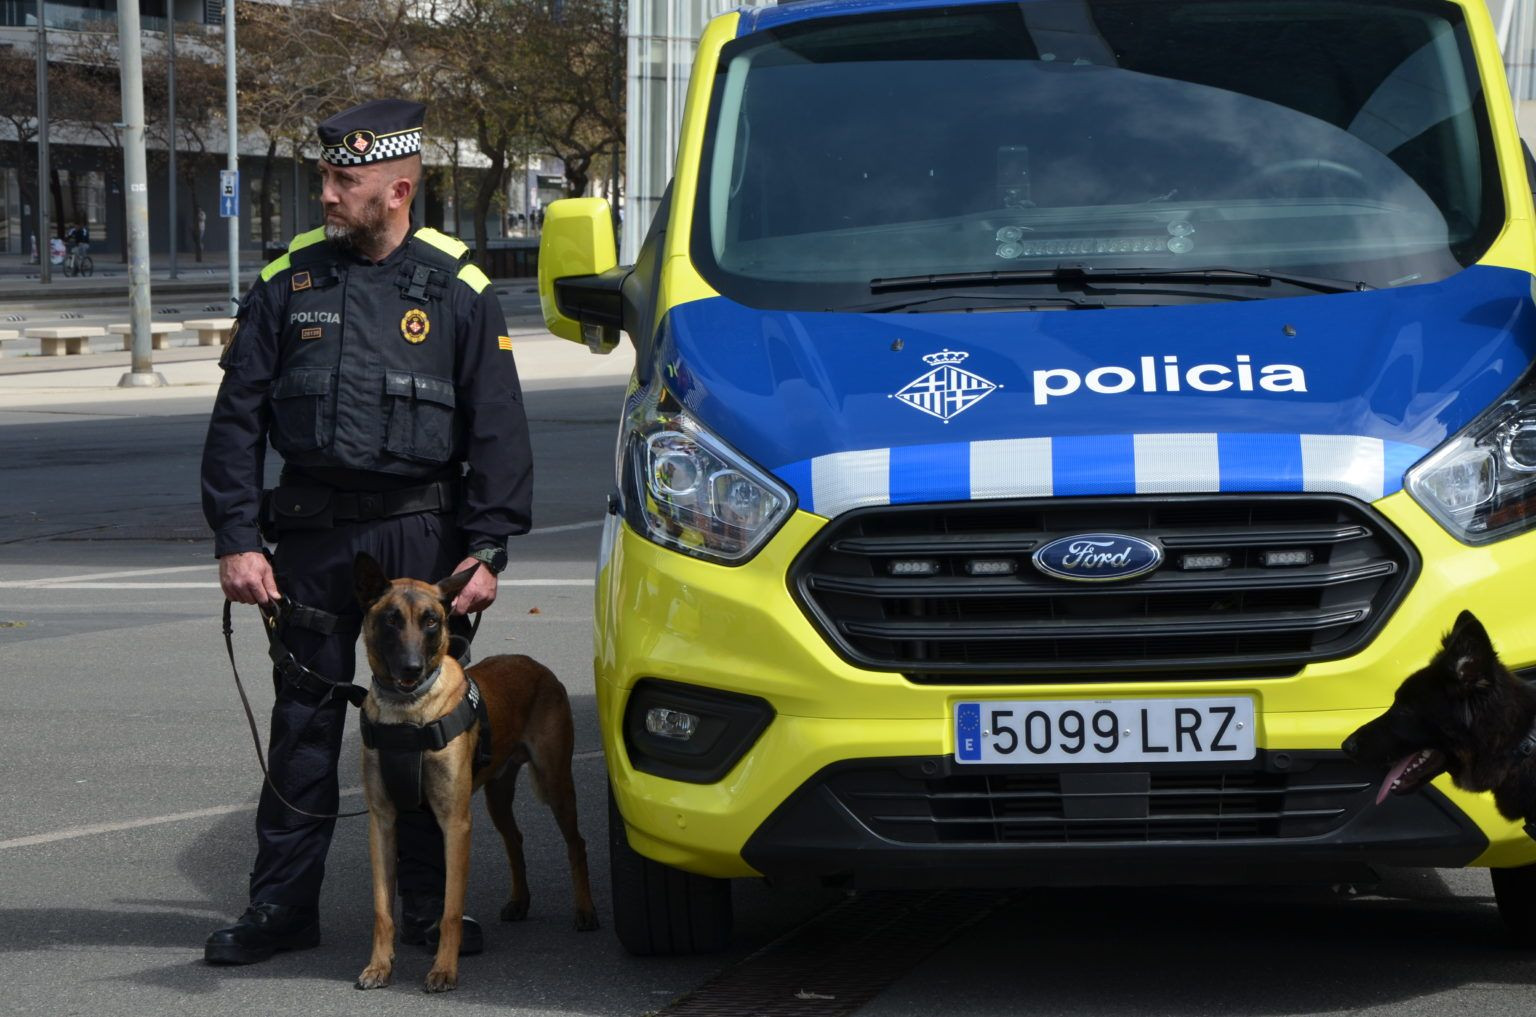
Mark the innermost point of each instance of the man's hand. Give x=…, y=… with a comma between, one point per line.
x=246, y=577
x=481, y=591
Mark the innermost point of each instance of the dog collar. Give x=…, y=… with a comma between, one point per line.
x=400, y=746
x=1527, y=745
x=416, y=693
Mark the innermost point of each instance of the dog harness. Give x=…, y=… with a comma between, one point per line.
x=400, y=746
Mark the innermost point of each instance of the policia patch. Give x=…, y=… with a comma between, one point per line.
x=415, y=326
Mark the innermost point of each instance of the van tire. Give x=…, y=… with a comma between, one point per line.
x=661, y=911
x=1515, y=892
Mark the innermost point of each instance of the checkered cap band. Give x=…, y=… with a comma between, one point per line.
x=390, y=146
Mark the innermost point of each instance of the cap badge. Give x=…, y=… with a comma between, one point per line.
x=415, y=326
x=360, y=141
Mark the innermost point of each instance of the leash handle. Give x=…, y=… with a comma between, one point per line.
x=270, y=619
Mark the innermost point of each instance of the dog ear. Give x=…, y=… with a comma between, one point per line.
x=1471, y=652
x=450, y=588
x=368, y=579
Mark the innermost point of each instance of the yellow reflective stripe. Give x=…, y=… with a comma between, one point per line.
x=476, y=279
x=298, y=243
x=452, y=246
x=307, y=238
x=280, y=265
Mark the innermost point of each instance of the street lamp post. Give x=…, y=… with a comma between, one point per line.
x=170, y=120
x=44, y=246
x=234, y=151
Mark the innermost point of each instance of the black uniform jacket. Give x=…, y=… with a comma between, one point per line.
x=370, y=375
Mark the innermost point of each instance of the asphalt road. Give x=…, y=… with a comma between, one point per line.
x=127, y=788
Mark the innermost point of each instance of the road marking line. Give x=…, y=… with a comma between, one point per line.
x=95, y=829
x=593, y=524
x=113, y=575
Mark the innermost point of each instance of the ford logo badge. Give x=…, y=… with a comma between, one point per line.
x=1098, y=557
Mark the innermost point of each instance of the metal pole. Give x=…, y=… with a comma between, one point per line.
x=136, y=175
x=234, y=150
x=44, y=192
x=170, y=119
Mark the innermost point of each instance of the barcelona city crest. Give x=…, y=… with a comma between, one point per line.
x=947, y=390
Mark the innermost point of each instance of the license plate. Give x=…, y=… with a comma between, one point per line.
x=1104, y=730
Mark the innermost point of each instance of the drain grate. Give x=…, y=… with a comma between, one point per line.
x=842, y=958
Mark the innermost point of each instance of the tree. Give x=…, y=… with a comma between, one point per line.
x=478, y=88
x=18, y=107
x=576, y=66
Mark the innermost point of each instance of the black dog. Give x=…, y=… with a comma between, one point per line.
x=1465, y=714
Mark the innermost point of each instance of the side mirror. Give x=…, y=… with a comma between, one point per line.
x=579, y=277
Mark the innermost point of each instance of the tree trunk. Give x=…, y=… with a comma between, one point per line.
x=266, y=197
x=576, y=174
x=487, y=190
x=189, y=167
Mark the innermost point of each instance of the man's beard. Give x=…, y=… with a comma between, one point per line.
x=362, y=233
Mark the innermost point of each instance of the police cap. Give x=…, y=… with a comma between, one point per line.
x=376, y=131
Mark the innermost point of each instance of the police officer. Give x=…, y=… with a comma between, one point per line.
x=375, y=359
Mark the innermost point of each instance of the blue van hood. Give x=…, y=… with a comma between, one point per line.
x=1338, y=393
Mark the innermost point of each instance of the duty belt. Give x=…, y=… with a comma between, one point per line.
x=359, y=506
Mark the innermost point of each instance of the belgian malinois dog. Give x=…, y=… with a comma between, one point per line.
x=1463, y=713
x=405, y=633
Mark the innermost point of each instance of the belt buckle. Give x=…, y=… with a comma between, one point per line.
x=369, y=505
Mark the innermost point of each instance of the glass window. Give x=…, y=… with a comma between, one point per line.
x=1330, y=138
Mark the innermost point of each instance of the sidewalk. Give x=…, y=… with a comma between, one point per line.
x=543, y=362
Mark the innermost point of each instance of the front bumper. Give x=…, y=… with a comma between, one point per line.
x=662, y=615
x=1287, y=817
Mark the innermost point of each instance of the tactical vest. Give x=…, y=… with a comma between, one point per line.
x=367, y=352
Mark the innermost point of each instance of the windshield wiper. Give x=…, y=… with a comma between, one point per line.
x=982, y=301
x=1079, y=276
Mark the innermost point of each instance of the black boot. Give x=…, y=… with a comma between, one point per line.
x=263, y=930
x=418, y=926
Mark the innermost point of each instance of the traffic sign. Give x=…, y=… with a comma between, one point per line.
x=229, y=193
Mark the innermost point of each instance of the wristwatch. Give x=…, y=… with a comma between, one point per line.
x=493, y=558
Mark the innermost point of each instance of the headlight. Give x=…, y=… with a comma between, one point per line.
x=685, y=489
x=1481, y=484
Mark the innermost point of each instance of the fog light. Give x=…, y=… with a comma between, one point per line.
x=991, y=567
x=690, y=733
x=1204, y=561
x=1283, y=559
x=913, y=567
x=671, y=723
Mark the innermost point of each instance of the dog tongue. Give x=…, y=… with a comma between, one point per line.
x=1393, y=774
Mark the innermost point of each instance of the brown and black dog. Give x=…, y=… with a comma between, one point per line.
x=1463, y=713
x=405, y=633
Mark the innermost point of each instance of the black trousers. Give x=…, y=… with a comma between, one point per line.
x=314, y=568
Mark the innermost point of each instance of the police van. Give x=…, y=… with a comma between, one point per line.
x=1055, y=426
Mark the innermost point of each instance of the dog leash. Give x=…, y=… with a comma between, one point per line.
x=270, y=618
x=297, y=674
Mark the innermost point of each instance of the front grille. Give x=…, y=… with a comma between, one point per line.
x=1247, y=619
x=1199, y=803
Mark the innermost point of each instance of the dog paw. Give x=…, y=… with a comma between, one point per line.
x=441, y=981
x=374, y=976
x=586, y=921
x=515, y=910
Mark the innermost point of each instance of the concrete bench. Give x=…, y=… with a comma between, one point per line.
x=8, y=334
x=158, y=331
x=61, y=339
x=211, y=331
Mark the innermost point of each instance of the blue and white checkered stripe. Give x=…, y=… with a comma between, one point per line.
x=388, y=146
x=1361, y=467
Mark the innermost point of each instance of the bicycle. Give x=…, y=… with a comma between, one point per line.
x=78, y=263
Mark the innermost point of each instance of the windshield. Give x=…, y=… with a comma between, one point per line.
x=1320, y=138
